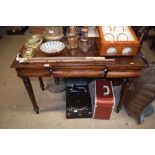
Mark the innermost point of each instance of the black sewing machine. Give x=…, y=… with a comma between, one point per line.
x=78, y=102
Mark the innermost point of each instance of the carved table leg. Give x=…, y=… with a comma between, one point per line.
x=124, y=92
x=29, y=89
x=41, y=83
x=57, y=81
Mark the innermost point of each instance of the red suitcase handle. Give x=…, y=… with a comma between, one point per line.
x=107, y=92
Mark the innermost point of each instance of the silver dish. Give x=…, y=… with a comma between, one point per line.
x=52, y=47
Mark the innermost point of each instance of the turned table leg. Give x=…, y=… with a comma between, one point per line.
x=57, y=81
x=41, y=83
x=29, y=89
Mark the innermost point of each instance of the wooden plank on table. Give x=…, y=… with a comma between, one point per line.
x=68, y=59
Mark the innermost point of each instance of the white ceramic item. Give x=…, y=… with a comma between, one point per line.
x=126, y=51
x=111, y=50
x=52, y=47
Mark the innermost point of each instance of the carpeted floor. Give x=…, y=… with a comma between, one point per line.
x=16, y=110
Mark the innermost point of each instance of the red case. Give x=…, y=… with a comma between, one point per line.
x=104, y=99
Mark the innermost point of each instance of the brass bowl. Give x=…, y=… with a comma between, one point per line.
x=28, y=53
x=34, y=42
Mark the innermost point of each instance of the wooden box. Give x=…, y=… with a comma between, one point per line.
x=117, y=41
x=104, y=99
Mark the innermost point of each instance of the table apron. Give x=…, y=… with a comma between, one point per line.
x=43, y=72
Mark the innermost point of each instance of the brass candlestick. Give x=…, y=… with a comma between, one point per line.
x=84, y=42
x=72, y=37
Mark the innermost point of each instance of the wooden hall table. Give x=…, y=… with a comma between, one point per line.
x=121, y=67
